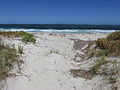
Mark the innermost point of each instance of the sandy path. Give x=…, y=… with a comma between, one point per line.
x=47, y=65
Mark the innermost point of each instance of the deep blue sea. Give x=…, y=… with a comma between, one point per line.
x=60, y=31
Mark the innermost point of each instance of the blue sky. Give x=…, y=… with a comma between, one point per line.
x=60, y=11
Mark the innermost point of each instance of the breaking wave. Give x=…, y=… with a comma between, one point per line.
x=60, y=31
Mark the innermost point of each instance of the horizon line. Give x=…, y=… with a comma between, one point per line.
x=58, y=24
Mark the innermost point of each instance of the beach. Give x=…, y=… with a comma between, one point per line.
x=47, y=63
x=60, y=45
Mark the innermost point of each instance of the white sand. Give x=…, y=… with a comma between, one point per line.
x=48, y=62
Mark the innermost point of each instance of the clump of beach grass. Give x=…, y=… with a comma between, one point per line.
x=109, y=70
x=20, y=49
x=95, y=68
x=106, y=68
x=9, y=57
x=26, y=37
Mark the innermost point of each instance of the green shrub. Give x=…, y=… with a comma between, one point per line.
x=28, y=38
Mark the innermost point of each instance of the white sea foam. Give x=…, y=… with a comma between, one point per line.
x=61, y=31
x=102, y=31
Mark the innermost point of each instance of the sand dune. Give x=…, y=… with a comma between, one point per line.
x=47, y=64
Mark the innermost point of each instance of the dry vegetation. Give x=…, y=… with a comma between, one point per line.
x=8, y=58
x=9, y=55
x=103, y=49
x=109, y=46
x=26, y=37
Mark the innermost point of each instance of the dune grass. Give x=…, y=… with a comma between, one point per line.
x=20, y=49
x=26, y=37
x=109, y=69
x=8, y=57
x=102, y=50
x=95, y=68
x=106, y=47
x=109, y=46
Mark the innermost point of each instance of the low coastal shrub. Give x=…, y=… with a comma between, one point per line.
x=26, y=37
x=10, y=34
x=109, y=46
x=114, y=36
x=111, y=43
